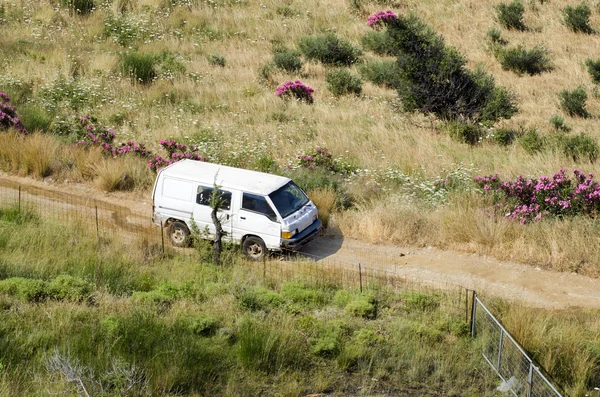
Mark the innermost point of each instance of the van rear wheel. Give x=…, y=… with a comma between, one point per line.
x=179, y=234
x=254, y=248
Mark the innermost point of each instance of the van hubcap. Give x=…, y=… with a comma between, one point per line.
x=178, y=236
x=255, y=250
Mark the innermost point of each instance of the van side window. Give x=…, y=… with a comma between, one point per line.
x=252, y=202
x=203, y=196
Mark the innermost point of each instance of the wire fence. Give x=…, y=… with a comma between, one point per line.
x=111, y=221
x=508, y=359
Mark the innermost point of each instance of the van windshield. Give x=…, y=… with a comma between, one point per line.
x=288, y=199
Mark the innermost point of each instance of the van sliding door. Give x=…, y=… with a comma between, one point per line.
x=202, y=212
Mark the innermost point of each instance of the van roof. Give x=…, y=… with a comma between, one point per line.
x=227, y=177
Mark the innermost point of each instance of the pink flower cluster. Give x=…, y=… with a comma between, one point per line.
x=159, y=162
x=295, y=89
x=319, y=158
x=531, y=199
x=176, y=151
x=380, y=18
x=94, y=136
x=8, y=115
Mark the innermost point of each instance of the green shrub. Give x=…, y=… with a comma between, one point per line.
x=362, y=306
x=297, y=292
x=216, y=60
x=36, y=118
x=24, y=288
x=82, y=7
x=139, y=66
x=257, y=298
x=558, y=122
x=342, y=82
x=471, y=134
x=342, y=298
x=504, y=136
x=383, y=73
x=495, y=36
x=434, y=79
x=169, y=65
x=69, y=288
x=17, y=216
x=287, y=60
x=521, y=60
x=329, y=49
x=419, y=301
x=204, y=326
x=573, y=102
x=531, y=141
x=327, y=344
x=378, y=42
x=593, y=67
x=580, y=148
x=511, y=15
x=578, y=18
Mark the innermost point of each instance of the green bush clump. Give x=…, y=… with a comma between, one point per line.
x=139, y=66
x=27, y=289
x=580, y=148
x=328, y=341
x=204, y=325
x=434, y=79
x=17, y=215
x=362, y=306
x=82, y=7
x=521, y=60
x=531, y=141
x=468, y=133
x=36, y=118
x=511, y=15
x=383, y=73
x=216, y=60
x=61, y=288
x=573, y=102
x=287, y=60
x=69, y=288
x=378, y=42
x=342, y=82
x=257, y=298
x=495, y=36
x=558, y=123
x=298, y=292
x=329, y=49
x=578, y=18
x=505, y=136
x=593, y=67
x=419, y=301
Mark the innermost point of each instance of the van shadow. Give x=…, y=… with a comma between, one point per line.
x=322, y=247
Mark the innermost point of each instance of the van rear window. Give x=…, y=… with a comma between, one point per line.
x=204, y=193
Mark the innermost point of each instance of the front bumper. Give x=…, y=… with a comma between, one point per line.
x=303, y=237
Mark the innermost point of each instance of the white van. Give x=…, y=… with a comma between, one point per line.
x=261, y=211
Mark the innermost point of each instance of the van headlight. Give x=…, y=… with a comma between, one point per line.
x=288, y=234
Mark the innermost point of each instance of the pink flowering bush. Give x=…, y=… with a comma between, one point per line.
x=98, y=136
x=295, y=89
x=318, y=158
x=380, y=18
x=176, y=152
x=8, y=115
x=559, y=195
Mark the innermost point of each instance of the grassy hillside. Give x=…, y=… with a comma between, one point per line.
x=212, y=83
x=111, y=318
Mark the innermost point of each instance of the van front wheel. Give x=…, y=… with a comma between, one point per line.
x=179, y=234
x=254, y=248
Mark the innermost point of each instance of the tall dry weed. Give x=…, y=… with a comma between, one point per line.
x=324, y=199
x=31, y=155
x=86, y=160
x=127, y=173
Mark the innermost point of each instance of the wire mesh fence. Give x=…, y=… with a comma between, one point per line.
x=118, y=222
x=513, y=365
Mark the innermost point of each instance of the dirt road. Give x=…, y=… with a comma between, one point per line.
x=533, y=286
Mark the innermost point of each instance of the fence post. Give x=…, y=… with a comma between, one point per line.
x=473, y=313
x=162, y=237
x=360, y=277
x=466, y=305
x=530, y=380
x=500, y=348
x=97, y=224
x=19, y=199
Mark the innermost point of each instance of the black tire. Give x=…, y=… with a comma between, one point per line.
x=254, y=248
x=179, y=234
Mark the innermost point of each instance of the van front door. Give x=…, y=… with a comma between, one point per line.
x=257, y=217
x=202, y=212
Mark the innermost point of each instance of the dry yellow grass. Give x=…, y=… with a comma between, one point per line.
x=324, y=199
x=29, y=155
x=236, y=106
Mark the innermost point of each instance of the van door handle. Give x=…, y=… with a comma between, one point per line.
x=242, y=217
